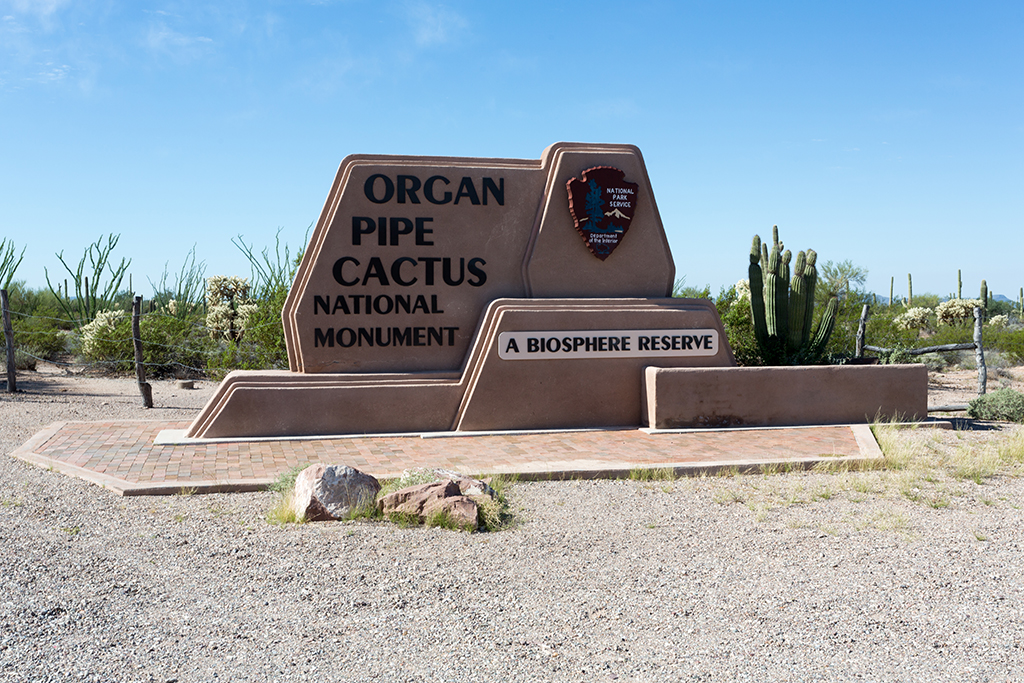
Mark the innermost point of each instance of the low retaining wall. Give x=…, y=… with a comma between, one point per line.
x=781, y=396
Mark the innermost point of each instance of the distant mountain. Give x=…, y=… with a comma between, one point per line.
x=1001, y=297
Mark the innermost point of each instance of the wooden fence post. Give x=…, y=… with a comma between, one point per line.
x=861, y=331
x=140, y=371
x=12, y=383
x=979, y=353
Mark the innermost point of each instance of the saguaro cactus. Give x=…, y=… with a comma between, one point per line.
x=783, y=309
x=984, y=297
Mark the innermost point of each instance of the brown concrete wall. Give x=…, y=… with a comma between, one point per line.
x=776, y=396
x=305, y=409
x=558, y=264
x=527, y=246
x=489, y=393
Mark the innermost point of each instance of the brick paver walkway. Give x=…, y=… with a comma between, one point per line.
x=122, y=456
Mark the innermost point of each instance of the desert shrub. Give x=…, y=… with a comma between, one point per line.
x=956, y=311
x=1005, y=405
x=100, y=340
x=262, y=345
x=1009, y=342
x=734, y=309
x=9, y=262
x=883, y=331
x=104, y=281
x=998, y=322
x=182, y=297
x=40, y=337
x=261, y=348
x=22, y=360
x=170, y=345
x=843, y=341
x=936, y=362
x=40, y=326
x=917, y=318
x=897, y=355
x=173, y=346
x=680, y=290
x=228, y=306
x=950, y=334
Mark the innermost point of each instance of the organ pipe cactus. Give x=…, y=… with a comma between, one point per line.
x=783, y=308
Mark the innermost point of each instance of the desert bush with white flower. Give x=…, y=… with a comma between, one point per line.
x=956, y=311
x=228, y=306
x=100, y=338
x=917, y=318
x=998, y=322
x=743, y=290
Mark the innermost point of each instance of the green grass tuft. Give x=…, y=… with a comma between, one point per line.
x=652, y=474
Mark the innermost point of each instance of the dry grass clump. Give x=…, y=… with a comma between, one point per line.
x=933, y=468
x=283, y=510
x=652, y=474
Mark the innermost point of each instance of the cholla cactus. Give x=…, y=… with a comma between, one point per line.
x=998, y=321
x=914, y=318
x=743, y=290
x=228, y=306
x=954, y=311
x=99, y=337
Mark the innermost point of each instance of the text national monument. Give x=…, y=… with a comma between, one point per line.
x=465, y=294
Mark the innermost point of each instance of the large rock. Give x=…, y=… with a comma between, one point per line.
x=426, y=501
x=328, y=492
x=467, y=485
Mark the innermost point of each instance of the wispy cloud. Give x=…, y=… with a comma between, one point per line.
x=434, y=24
x=40, y=8
x=162, y=39
x=52, y=73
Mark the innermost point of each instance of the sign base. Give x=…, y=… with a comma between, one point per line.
x=589, y=374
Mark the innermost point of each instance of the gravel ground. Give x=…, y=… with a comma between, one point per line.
x=878, y=576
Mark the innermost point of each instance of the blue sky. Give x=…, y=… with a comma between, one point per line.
x=889, y=134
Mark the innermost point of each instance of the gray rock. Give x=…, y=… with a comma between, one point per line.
x=328, y=492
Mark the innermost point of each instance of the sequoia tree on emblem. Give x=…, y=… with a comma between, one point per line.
x=602, y=204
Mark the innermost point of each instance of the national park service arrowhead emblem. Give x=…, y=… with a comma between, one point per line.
x=602, y=204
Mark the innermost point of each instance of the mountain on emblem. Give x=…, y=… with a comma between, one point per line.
x=602, y=204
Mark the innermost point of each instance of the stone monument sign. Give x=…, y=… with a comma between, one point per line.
x=409, y=251
x=441, y=293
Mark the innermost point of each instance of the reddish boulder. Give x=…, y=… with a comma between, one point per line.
x=426, y=501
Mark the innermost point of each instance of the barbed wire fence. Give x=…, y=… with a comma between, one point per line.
x=171, y=355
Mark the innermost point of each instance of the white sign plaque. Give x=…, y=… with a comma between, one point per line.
x=607, y=344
